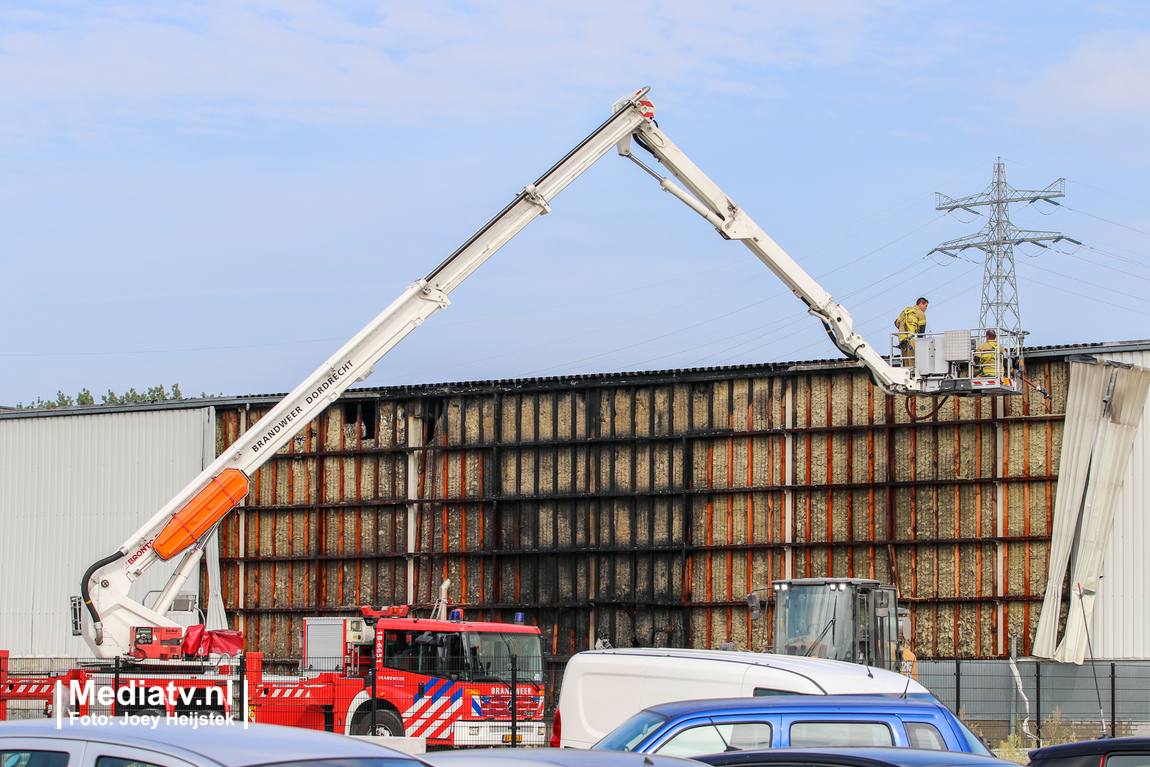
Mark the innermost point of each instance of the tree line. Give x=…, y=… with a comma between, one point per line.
x=85, y=397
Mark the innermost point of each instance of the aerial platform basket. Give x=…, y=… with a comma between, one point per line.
x=951, y=363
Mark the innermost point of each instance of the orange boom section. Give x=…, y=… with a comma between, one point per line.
x=202, y=512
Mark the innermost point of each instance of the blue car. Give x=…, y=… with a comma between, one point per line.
x=694, y=727
x=851, y=757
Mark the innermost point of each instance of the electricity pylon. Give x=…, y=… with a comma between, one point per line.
x=999, y=285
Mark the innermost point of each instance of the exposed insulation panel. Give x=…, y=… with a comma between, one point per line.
x=641, y=509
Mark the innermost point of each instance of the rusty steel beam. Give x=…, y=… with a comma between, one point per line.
x=705, y=491
x=626, y=549
x=694, y=434
x=354, y=609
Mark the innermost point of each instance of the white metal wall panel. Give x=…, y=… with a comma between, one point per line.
x=1120, y=627
x=72, y=489
x=1082, y=421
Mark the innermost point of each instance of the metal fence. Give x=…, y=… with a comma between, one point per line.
x=1030, y=703
x=1043, y=701
x=445, y=699
x=1047, y=703
x=33, y=688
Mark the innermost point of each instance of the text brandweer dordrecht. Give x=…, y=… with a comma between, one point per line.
x=295, y=412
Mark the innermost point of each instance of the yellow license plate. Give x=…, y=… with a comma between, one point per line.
x=507, y=738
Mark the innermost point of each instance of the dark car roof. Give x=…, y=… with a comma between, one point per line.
x=854, y=757
x=804, y=703
x=1084, y=747
x=229, y=745
x=561, y=757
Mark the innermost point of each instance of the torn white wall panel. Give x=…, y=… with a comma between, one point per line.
x=1104, y=410
x=1083, y=408
x=1119, y=625
x=1114, y=442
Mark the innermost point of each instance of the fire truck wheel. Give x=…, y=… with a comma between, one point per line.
x=387, y=724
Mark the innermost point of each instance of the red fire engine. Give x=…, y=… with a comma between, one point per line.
x=453, y=682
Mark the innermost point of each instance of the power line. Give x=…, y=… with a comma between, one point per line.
x=1099, y=218
x=999, y=306
x=1111, y=304
x=1092, y=284
x=876, y=318
x=1088, y=186
x=1104, y=266
x=172, y=351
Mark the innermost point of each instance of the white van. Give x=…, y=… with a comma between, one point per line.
x=603, y=688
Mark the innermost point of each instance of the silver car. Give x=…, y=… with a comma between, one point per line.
x=553, y=757
x=123, y=743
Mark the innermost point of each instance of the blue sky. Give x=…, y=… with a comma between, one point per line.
x=218, y=194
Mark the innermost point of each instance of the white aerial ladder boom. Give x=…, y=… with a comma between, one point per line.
x=186, y=522
x=732, y=223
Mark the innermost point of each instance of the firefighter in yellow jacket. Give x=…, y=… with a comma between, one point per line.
x=985, y=354
x=910, y=322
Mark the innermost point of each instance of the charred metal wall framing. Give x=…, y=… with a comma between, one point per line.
x=641, y=509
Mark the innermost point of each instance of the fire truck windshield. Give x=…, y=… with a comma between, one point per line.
x=493, y=651
x=466, y=656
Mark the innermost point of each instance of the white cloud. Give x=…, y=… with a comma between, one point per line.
x=1108, y=76
x=401, y=62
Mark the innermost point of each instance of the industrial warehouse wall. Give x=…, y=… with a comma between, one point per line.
x=74, y=484
x=641, y=509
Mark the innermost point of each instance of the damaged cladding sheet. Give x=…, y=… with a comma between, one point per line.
x=1103, y=411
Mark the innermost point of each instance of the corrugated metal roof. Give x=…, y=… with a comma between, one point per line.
x=71, y=491
x=584, y=379
x=1099, y=347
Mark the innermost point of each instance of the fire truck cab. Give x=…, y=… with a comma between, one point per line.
x=450, y=681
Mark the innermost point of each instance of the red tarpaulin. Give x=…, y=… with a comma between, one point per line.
x=199, y=641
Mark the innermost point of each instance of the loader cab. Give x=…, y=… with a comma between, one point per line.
x=847, y=619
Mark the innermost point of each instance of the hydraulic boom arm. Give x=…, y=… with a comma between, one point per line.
x=732, y=223
x=183, y=525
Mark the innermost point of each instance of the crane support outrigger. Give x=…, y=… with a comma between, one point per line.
x=186, y=522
